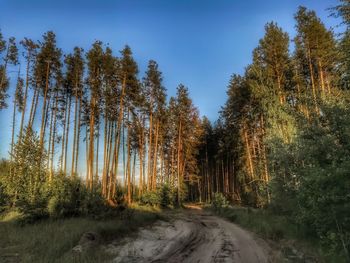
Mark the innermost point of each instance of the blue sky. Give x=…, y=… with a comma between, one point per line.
x=199, y=43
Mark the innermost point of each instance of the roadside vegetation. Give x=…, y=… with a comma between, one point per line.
x=53, y=240
x=290, y=240
x=91, y=138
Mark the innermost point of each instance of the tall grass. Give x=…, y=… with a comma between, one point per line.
x=291, y=240
x=288, y=237
x=52, y=240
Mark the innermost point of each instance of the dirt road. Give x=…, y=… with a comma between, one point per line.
x=191, y=236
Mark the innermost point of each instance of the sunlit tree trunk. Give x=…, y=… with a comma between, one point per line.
x=44, y=109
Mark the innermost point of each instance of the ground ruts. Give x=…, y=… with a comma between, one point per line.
x=192, y=236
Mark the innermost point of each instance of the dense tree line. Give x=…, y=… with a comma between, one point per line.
x=282, y=139
x=94, y=101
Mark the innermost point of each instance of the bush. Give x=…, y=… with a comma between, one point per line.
x=165, y=196
x=3, y=197
x=66, y=197
x=151, y=198
x=219, y=202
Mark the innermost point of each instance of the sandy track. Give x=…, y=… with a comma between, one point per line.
x=192, y=236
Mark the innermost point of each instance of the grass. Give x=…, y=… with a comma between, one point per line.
x=282, y=234
x=295, y=244
x=52, y=240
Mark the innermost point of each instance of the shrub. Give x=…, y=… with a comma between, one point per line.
x=66, y=196
x=3, y=197
x=219, y=202
x=165, y=196
x=150, y=198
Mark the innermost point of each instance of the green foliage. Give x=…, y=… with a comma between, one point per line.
x=163, y=196
x=151, y=198
x=53, y=240
x=219, y=202
x=26, y=183
x=66, y=197
x=311, y=181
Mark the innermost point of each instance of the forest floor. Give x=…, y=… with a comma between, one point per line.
x=191, y=235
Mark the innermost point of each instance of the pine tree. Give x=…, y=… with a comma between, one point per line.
x=129, y=94
x=318, y=47
x=155, y=98
x=30, y=48
x=94, y=80
x=74, y=79
x=47, y=73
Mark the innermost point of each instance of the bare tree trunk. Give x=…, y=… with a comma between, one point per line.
x=67, y=135
x=25, y=99
x=50, y=138
x=91, y=144
x=249, y=157
x=312, y=80
x=97, y=150
x=78, y=138
x=107, y=131
x=13, y=134
x=133, y=177
x=149, y=181
x=323, y=89
x=128, y=167
x=64, y=135
x=53, y=139
x=141, y=161
x=154, y=174
x=178, y=164
x=123, y=144
x=172, y=165
x=74, y=135
x=43, y=114
x=112, y=181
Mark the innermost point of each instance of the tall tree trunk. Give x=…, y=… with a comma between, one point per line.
x=106, y=134
x=123, y=145
x=87, y=151
x=314, y=96
x=172, y=181
x=78, y=138
x=67, y=135
x=64, y=134
x=53, y=139
x=97, y=150
x=44, y=112
x=178, y=164
x=50, y=138
x=133, y=177
x=33, y=107
x=74, y=135
x=112, y=181
x=13, y=134
x=149, y=180
x=323, y=89
x=25, y=99
x=154, y=173
x=128, y=167
x=249, y=157
x=91, y=144
x=141, y=161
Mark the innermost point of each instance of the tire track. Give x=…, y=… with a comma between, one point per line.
x=190, y=237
